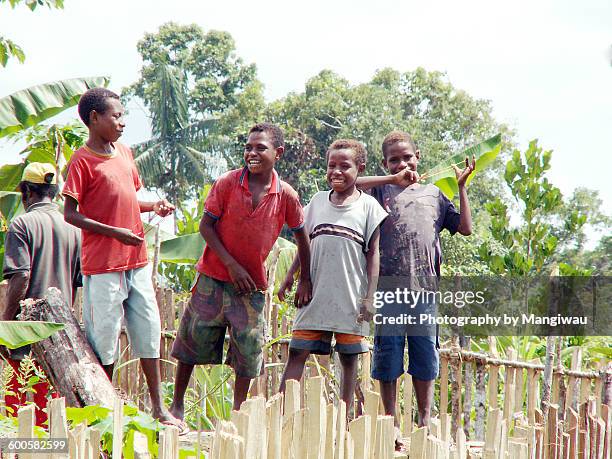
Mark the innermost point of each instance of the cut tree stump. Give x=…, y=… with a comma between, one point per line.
x=66, y=357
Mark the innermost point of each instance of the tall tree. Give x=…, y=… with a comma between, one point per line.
x=442, y=119
x=189, y=81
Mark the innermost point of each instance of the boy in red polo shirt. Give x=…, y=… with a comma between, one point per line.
x=102, y=183
x=244, y=214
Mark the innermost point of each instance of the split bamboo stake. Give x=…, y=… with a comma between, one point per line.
x=117, y=427
x=407, y=427
x=443, y=384
x=340, y=431
x=479, y=401
x=274, y=416
x=418, y=443
x=467, y=400
x=360, y=432
x=316, y=423
x=372, y=400
x=330, y=431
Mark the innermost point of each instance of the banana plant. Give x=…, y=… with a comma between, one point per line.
x=14, y=334
x=31, y=106
x=443, y=175
x=27, y=109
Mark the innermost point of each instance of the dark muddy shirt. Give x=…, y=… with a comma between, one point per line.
x=410, y=236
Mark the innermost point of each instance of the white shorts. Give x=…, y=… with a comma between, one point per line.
x=107, y=299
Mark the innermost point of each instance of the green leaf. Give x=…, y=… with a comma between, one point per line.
x=30, y=106
x=14, y=334
x=485, y=153
x=607, y=351
x=89, y=414
x=10, y=176
x=9, y=202
x=182, y=249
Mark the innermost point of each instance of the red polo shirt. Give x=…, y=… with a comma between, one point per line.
x=248, y=234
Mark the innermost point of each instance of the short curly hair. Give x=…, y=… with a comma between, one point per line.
x=276, y=133
x=41, y=189
x=394, y=137
x=359, y=152
x=94, y=99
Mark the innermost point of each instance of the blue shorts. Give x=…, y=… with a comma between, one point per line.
x=390, y=340
x=388, y=358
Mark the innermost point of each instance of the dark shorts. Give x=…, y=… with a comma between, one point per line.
x=390, y=342
x=214, y=307
x=388, y=358
x=319, y=342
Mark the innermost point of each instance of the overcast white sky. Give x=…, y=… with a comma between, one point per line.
x=545, y=65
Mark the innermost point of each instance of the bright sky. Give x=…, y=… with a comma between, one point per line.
x=545, y=65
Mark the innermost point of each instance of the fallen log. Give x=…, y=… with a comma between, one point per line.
x=66, y=356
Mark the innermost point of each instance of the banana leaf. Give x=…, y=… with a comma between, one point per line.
x=182, y=249
x=10, y=176
x=485, y=154
x=288, y=251
x=33, y=105
x=14, y=334
x=9, y=203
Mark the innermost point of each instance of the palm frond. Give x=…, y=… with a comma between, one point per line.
x=150, y=164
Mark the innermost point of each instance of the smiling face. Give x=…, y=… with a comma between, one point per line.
x=260, y=154
x=108, y=125
x=342, y=169
x=400, y=156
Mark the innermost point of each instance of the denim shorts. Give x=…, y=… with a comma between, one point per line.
x=390, y=341
x=108, y=298
x=388, y=358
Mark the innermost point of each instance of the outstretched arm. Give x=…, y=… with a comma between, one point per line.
x=162, y=207
x=403, y=178
x=241, y=279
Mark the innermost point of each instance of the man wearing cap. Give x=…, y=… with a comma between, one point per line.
x=41, y=251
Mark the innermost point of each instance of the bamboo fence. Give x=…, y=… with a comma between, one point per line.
x=487, y=407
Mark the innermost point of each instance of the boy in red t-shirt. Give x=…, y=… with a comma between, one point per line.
x=244, y=214
x=102, y=183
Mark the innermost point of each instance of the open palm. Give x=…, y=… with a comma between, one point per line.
x=462, y=175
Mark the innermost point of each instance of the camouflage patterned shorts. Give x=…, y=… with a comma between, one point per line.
x=215, y=306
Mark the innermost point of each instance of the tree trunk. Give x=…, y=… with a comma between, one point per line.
x=66, y=356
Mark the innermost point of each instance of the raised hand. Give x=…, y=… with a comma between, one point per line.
x=462, y=175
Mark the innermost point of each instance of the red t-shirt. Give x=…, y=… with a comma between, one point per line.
x=247, y=234
x=105, y=187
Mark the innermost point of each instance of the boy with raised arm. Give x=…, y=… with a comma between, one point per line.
x=410, y=249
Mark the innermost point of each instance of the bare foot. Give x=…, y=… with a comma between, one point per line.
x=168, y=419
x=177, y=411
